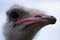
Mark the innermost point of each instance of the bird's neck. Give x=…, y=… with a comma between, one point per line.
x=30, y=32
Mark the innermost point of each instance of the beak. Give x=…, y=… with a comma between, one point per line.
x=40, y=18
x=51, y=19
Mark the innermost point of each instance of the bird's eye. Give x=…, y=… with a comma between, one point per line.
x=14, y=14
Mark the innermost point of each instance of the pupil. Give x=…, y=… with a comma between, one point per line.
x=14, y=15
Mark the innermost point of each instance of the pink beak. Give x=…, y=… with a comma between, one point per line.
x=40, y=18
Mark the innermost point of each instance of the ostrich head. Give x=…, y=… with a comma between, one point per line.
x=23, y=23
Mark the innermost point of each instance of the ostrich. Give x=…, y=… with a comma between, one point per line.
x=23, y=23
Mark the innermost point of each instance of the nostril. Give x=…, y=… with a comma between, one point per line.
x=38, y=16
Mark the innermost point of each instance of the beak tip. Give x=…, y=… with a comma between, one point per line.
x=53, y=20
